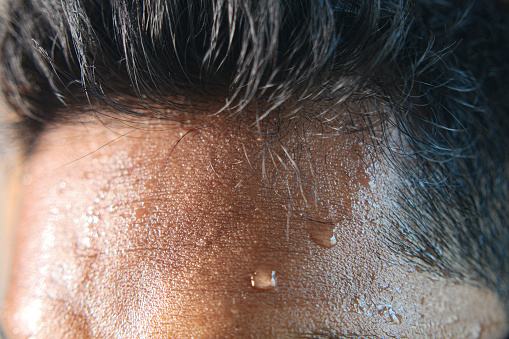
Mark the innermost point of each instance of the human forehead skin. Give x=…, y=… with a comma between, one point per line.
x=185, y=231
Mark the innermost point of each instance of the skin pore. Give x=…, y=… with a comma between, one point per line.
x=199, y=229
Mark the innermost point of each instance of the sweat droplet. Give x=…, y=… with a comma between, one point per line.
x=86, y=242
x=263, y=280
x=323, y=234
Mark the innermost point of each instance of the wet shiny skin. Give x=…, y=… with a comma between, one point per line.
x=165, y=232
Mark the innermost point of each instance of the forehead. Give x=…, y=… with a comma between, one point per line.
x=180, y=229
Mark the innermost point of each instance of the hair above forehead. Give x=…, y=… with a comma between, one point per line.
x=435, y=70
x=238, y=50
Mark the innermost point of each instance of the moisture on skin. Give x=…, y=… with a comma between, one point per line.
x=158, y=232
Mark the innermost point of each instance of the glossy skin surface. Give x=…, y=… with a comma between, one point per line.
x=179, y=231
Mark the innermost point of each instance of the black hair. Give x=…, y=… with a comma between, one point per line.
x=435, y=70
